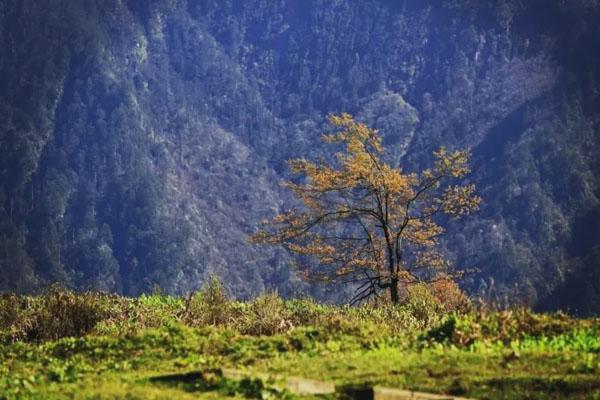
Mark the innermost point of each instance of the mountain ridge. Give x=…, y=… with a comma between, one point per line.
x=142, y=141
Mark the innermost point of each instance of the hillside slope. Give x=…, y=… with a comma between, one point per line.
x=142, y=140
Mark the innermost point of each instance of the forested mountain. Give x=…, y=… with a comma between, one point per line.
x=141, y=141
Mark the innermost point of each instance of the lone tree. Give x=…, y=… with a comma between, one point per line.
x=366, y=222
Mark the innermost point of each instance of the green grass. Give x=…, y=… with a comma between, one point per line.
x=160, y=347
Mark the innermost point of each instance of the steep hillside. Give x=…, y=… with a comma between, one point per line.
x=142, y=140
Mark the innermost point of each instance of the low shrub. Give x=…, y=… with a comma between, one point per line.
x=303, y=312
x=61, y=313
x=266, y=315
x=210, y=306
x=423, y=305
x=450, y=296
x=57, y=314
x=152, y=311
x=505, y=326
x=10, y=305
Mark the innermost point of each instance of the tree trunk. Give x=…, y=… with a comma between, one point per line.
x=394, y=290
x=392, y=266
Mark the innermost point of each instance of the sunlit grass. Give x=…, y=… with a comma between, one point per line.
x=48, y=352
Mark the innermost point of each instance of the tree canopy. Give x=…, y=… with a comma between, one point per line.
x=367, y=222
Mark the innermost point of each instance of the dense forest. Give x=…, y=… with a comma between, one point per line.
x=142, y=141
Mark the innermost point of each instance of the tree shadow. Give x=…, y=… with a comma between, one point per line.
x=546, y=388
x=212, y=380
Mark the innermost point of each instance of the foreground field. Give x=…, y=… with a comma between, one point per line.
x=92, y=346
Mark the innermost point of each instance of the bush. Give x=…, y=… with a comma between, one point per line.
x=57, y=314
x=450, y=296
x=150, y=311
x=504, y=326
x=266, y=315
x=303, y=312
x=423, y=305
x=210, y=306
x=10, y=304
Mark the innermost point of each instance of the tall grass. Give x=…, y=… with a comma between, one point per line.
x=61, y=313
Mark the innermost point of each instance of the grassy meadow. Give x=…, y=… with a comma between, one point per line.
x=65, y=345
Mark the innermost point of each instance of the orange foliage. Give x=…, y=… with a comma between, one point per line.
x=449, y=295
x=365, y=221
